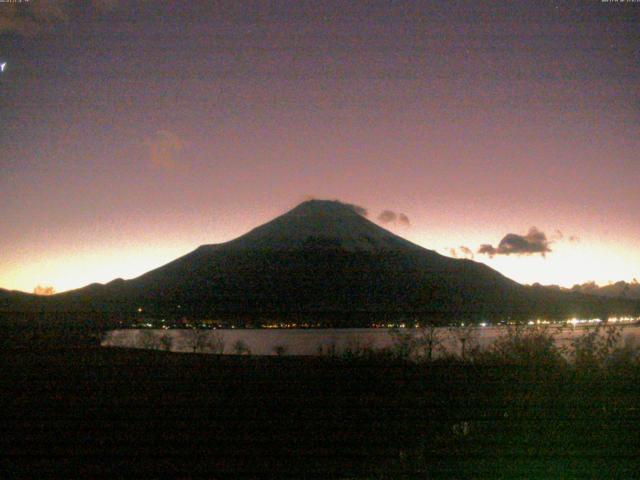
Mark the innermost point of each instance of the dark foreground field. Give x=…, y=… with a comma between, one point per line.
x=87, y=412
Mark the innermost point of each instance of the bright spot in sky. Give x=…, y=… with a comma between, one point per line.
x=2, y=66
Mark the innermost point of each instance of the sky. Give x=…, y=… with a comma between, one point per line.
x=133, y=132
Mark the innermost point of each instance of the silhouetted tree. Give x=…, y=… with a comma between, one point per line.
x=466, y=336
x=166, y=342
x=428, y=339
x=205, y=340
x=356, y=347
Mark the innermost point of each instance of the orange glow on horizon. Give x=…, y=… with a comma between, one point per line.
x=566, y=265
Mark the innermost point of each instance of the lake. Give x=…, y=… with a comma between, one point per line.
x=313, y=341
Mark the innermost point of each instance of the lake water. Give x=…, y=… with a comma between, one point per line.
x=314, y=341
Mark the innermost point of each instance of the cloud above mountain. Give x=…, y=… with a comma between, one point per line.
x=534, y=242
x=356, y=208
x=389, y=216
x=466, y=251
x=461, y=252
x=359, y=209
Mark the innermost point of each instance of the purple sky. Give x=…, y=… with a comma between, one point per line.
x=130, y=135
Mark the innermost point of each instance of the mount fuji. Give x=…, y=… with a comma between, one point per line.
x=323, y=259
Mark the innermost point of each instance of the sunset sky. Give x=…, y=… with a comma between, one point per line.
x=132, y=132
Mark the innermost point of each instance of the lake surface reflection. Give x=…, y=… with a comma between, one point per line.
x=312, y=341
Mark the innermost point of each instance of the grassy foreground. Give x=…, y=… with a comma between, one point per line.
x=88, y=412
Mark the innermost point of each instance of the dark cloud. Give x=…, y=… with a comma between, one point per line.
x=388, y=216
x=513, y=244
x=487, y=249
x=356, y=208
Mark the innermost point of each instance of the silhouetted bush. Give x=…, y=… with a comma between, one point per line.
x=241, y=348
x=280, y=350
x=404, y=344
x=625, y=358
x=327, y=349
x=524, y=346
x=166, y=343
x=356, y=348
x=149, y=340
x=602, y=348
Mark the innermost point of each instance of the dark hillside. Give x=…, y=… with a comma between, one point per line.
x=96, y=412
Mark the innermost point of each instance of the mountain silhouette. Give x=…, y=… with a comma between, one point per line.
x=324, y=260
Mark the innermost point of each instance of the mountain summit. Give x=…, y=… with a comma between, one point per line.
x=322, y=224
x=324, y=260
